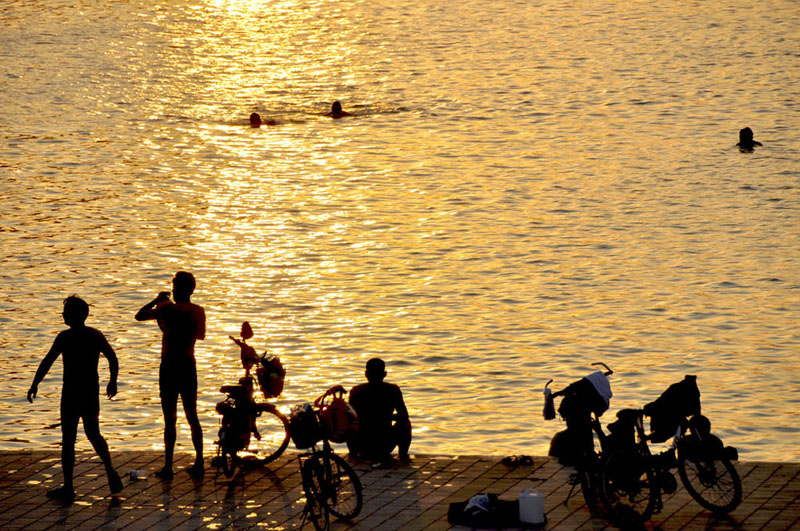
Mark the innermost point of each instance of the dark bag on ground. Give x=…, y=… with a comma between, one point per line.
x=485, y=510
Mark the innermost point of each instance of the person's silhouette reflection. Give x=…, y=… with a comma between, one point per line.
x=746, y=142
x=182, y=322
x=80, y=347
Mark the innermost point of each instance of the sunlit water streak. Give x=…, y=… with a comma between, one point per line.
x=526, y=188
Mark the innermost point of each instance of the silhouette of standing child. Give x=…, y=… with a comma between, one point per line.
x=80, y=347
x=182, y=323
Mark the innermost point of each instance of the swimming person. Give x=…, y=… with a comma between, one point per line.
x=182, y=323
x=80, y=347
x=383, y=422
x=336, y=111
x=746, y=142
x=255, y=121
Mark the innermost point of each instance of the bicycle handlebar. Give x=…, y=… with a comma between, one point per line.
x=608, y=372
x=336, y=389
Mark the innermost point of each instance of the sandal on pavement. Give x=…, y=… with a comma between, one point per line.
x=65, y=495
x=197, y=470
x=114, y=483
x=165, y=473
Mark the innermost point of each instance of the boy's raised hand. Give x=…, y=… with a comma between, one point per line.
x=32, y=393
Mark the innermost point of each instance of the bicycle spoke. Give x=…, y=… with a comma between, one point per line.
x=713, y=482
x=628, y=489
x=270, y=437
x=343, y=495
x=313, y=484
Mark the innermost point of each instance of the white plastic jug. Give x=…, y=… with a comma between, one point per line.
x=531, y=506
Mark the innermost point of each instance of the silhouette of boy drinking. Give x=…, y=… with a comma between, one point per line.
x=383, y=421
x=182, y=323
x=80, y=347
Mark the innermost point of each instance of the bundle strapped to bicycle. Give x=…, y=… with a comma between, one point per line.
x=580, y=400
x=628, y=477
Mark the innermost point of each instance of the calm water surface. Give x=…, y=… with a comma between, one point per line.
x=525, y=188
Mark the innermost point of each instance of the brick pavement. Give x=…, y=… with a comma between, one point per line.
x=412, y=495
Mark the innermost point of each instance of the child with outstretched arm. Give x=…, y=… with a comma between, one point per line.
x=80, y=347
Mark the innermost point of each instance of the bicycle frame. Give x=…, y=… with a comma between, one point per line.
x=331, y=485
x=240, y=417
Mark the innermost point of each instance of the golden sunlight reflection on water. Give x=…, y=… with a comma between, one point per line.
x=523, y=190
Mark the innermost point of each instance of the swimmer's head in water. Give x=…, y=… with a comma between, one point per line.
x=255, y=119
x=336, y=107
x=746, y=135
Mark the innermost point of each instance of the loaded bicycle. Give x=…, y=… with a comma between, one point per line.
x=253, y=433
x=633, y=478
x=330, y=484
x=626, y=476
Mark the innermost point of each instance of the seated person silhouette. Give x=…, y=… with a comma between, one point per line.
x=256, y=121
x=80, y=347
x=383, y=421
x=336, y=111
x=746, y=142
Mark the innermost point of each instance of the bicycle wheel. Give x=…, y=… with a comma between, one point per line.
x=628, y=489
x=712, y=481
x=343, y=496
x=313, y=480
x=588, y=489
x=270, y=436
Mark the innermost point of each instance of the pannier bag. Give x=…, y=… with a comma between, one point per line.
x=338, y=418
x=270, y=376
x=585, y=396
x=701, y=443
x=234, y=434
x=571, y=446
x=622, y=432
x=680, y=401
x=304, y=426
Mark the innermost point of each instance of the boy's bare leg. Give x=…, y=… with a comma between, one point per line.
x=69, y=431
x=402, y=434
x=92, y=428
x=170, y=409
x=190, y=408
